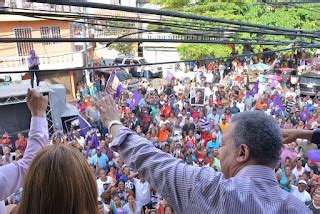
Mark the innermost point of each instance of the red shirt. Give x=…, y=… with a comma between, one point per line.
x=199, y=155
x=21, y=144
x=207, y=161
x=196, y=114
x=4, y=141
x=206, y=137
x=166, y=111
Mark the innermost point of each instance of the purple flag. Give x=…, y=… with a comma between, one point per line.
x=274, y=81
x=118, y=92
x=136, y=96
x=110, y=81
x=93, y=143
x=254, y=90
x=277, y=102
x=169, y=76
x=84, y=126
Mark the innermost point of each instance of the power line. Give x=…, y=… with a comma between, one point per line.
x=163, y=63
x=8, y=40
x=164, y=13
x=219, y=30
x=204, y=34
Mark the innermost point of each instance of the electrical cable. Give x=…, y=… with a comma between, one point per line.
x=163, y=30
x=162, y=63
x=315, y=36
x=101, y=40
x=164, y=13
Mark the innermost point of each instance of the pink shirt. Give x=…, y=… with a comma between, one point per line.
x=12, y=175
x=287, y=153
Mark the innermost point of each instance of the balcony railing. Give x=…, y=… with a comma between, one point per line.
x=23, y=4
x=61, y=61
x=174, y=37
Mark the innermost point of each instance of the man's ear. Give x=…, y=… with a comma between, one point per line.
x=243, y=153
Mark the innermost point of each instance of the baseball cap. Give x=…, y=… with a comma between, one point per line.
x=302, y=182
x=179, y=115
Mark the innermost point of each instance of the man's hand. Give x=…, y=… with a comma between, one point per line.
x=107, y=109
x=291, y=135
x=37, y=103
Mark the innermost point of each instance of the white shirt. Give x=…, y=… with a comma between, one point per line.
x=143, y=194
x=302, y=196
x=298, y=173
x=100, y=184
x=81, y=141
x=181, y=104
x=207, y=92
x=289, y=93
x=241, y=106
x=209, y=77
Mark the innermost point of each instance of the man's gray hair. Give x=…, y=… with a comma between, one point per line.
x=260, y=133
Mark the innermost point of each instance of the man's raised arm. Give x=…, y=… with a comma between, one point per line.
x=174, y=180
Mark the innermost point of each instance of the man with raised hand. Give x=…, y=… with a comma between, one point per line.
x=249, y=151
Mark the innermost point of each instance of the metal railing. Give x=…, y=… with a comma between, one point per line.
x=67, y=60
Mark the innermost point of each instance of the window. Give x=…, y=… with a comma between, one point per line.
x=118, y=61
x=50, y=32
x=23, y=48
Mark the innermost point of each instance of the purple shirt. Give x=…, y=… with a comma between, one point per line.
x=189, y=189
x=12, y=175
x=30, y=60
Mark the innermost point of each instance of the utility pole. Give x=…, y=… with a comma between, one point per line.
x=85, y=49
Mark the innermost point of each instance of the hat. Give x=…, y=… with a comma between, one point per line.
x=179, y=115
x=188, y=113
x=302, y=182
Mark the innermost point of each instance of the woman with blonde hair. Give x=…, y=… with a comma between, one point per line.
x=59, y=180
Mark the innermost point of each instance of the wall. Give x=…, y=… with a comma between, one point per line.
x=10, y=49
x=67, y=79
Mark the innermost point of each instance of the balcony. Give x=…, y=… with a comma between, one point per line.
x=61, y=61
x=23, y=4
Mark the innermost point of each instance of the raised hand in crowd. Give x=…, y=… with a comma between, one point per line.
x=12, y=175
x=37, y=103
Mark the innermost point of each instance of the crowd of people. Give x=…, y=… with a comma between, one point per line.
x=191, y=133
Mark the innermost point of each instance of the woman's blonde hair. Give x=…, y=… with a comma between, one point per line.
x=59, y=180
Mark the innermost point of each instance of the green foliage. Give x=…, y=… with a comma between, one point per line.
x=171, y=3
x=303, y=17
x=122, y=47
x=200, y=51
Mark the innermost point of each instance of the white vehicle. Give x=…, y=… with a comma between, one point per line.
x=149, y=71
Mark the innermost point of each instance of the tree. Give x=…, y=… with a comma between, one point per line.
x=122, y=47
x=171, y=3
x=293, y=17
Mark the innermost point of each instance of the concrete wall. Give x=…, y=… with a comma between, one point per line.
x=10, y=49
